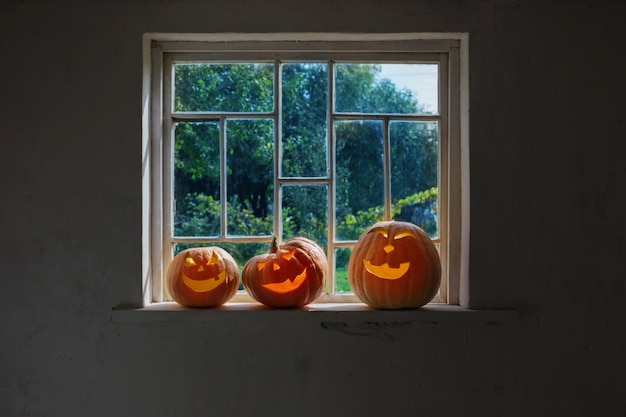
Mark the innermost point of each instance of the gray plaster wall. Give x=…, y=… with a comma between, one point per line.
x=548, y=225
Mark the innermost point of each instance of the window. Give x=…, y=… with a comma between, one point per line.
x=247, y=137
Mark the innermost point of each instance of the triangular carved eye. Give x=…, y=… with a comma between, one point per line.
x=189, y=261
x=214, y=259
x=288, y=255
x=261, y=265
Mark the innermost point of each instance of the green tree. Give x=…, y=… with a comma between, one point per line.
x=250, y=150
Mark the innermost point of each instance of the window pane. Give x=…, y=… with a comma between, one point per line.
x=386, y=88
x=304, y=104
x=414, y=167
x=305, y=212
x=342, y=256
x=224, y=87
x=359, y=174
x=421, y=80
x=250, y=176
x=196, y=179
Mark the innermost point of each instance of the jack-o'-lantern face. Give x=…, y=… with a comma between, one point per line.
x=397, y=240
x=291, y=275
x=280, y=267
x=202, y=277
x=394, y=264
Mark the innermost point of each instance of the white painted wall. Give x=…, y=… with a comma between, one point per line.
x=548, y=225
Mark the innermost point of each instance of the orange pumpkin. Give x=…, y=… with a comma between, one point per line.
x=202, y=277
x=394, y=265
x=291, y=275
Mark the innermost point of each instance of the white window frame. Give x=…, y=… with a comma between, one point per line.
x=452, y=50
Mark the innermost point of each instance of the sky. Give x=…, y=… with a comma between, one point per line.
x=421, y=79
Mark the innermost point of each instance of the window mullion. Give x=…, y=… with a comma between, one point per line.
x=387, y=169
x=223, y=178
x=278, y=129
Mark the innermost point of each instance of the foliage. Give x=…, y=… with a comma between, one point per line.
x=249, y=153
x=420, y=209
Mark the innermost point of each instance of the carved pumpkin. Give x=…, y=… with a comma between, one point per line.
x=202, y=277
x=291, y=275
x=394, y=265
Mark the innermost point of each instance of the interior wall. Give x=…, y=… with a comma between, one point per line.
x=547, y=225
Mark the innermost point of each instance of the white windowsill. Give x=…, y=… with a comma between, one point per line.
x=325, y=313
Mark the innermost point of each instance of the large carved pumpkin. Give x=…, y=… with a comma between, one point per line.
x=291, y=275
x=394, y=265
x=202, y=277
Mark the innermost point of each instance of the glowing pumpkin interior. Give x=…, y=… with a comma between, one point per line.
x=384, y=270
x=203, y=276
x=291, y=281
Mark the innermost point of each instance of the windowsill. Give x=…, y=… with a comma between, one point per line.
x=324, y=313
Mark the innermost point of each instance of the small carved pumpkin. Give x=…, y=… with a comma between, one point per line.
x=202, y=277
x=394, y=265
x=291, y=275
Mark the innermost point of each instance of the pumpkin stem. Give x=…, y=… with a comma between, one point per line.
x=274, y=245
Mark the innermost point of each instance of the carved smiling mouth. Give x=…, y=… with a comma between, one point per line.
x=384, y=271
x=205, y=285
x=287, y=285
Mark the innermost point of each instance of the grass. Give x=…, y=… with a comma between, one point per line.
x=341, y=282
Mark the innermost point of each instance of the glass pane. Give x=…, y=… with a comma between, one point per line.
x=386, y=88
x=342, y=256
x=304, y=95
x=305, y=212
x=197, y=179
x=359, y=174
x=224, y=87
x=250, y=176
x=414, y=169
